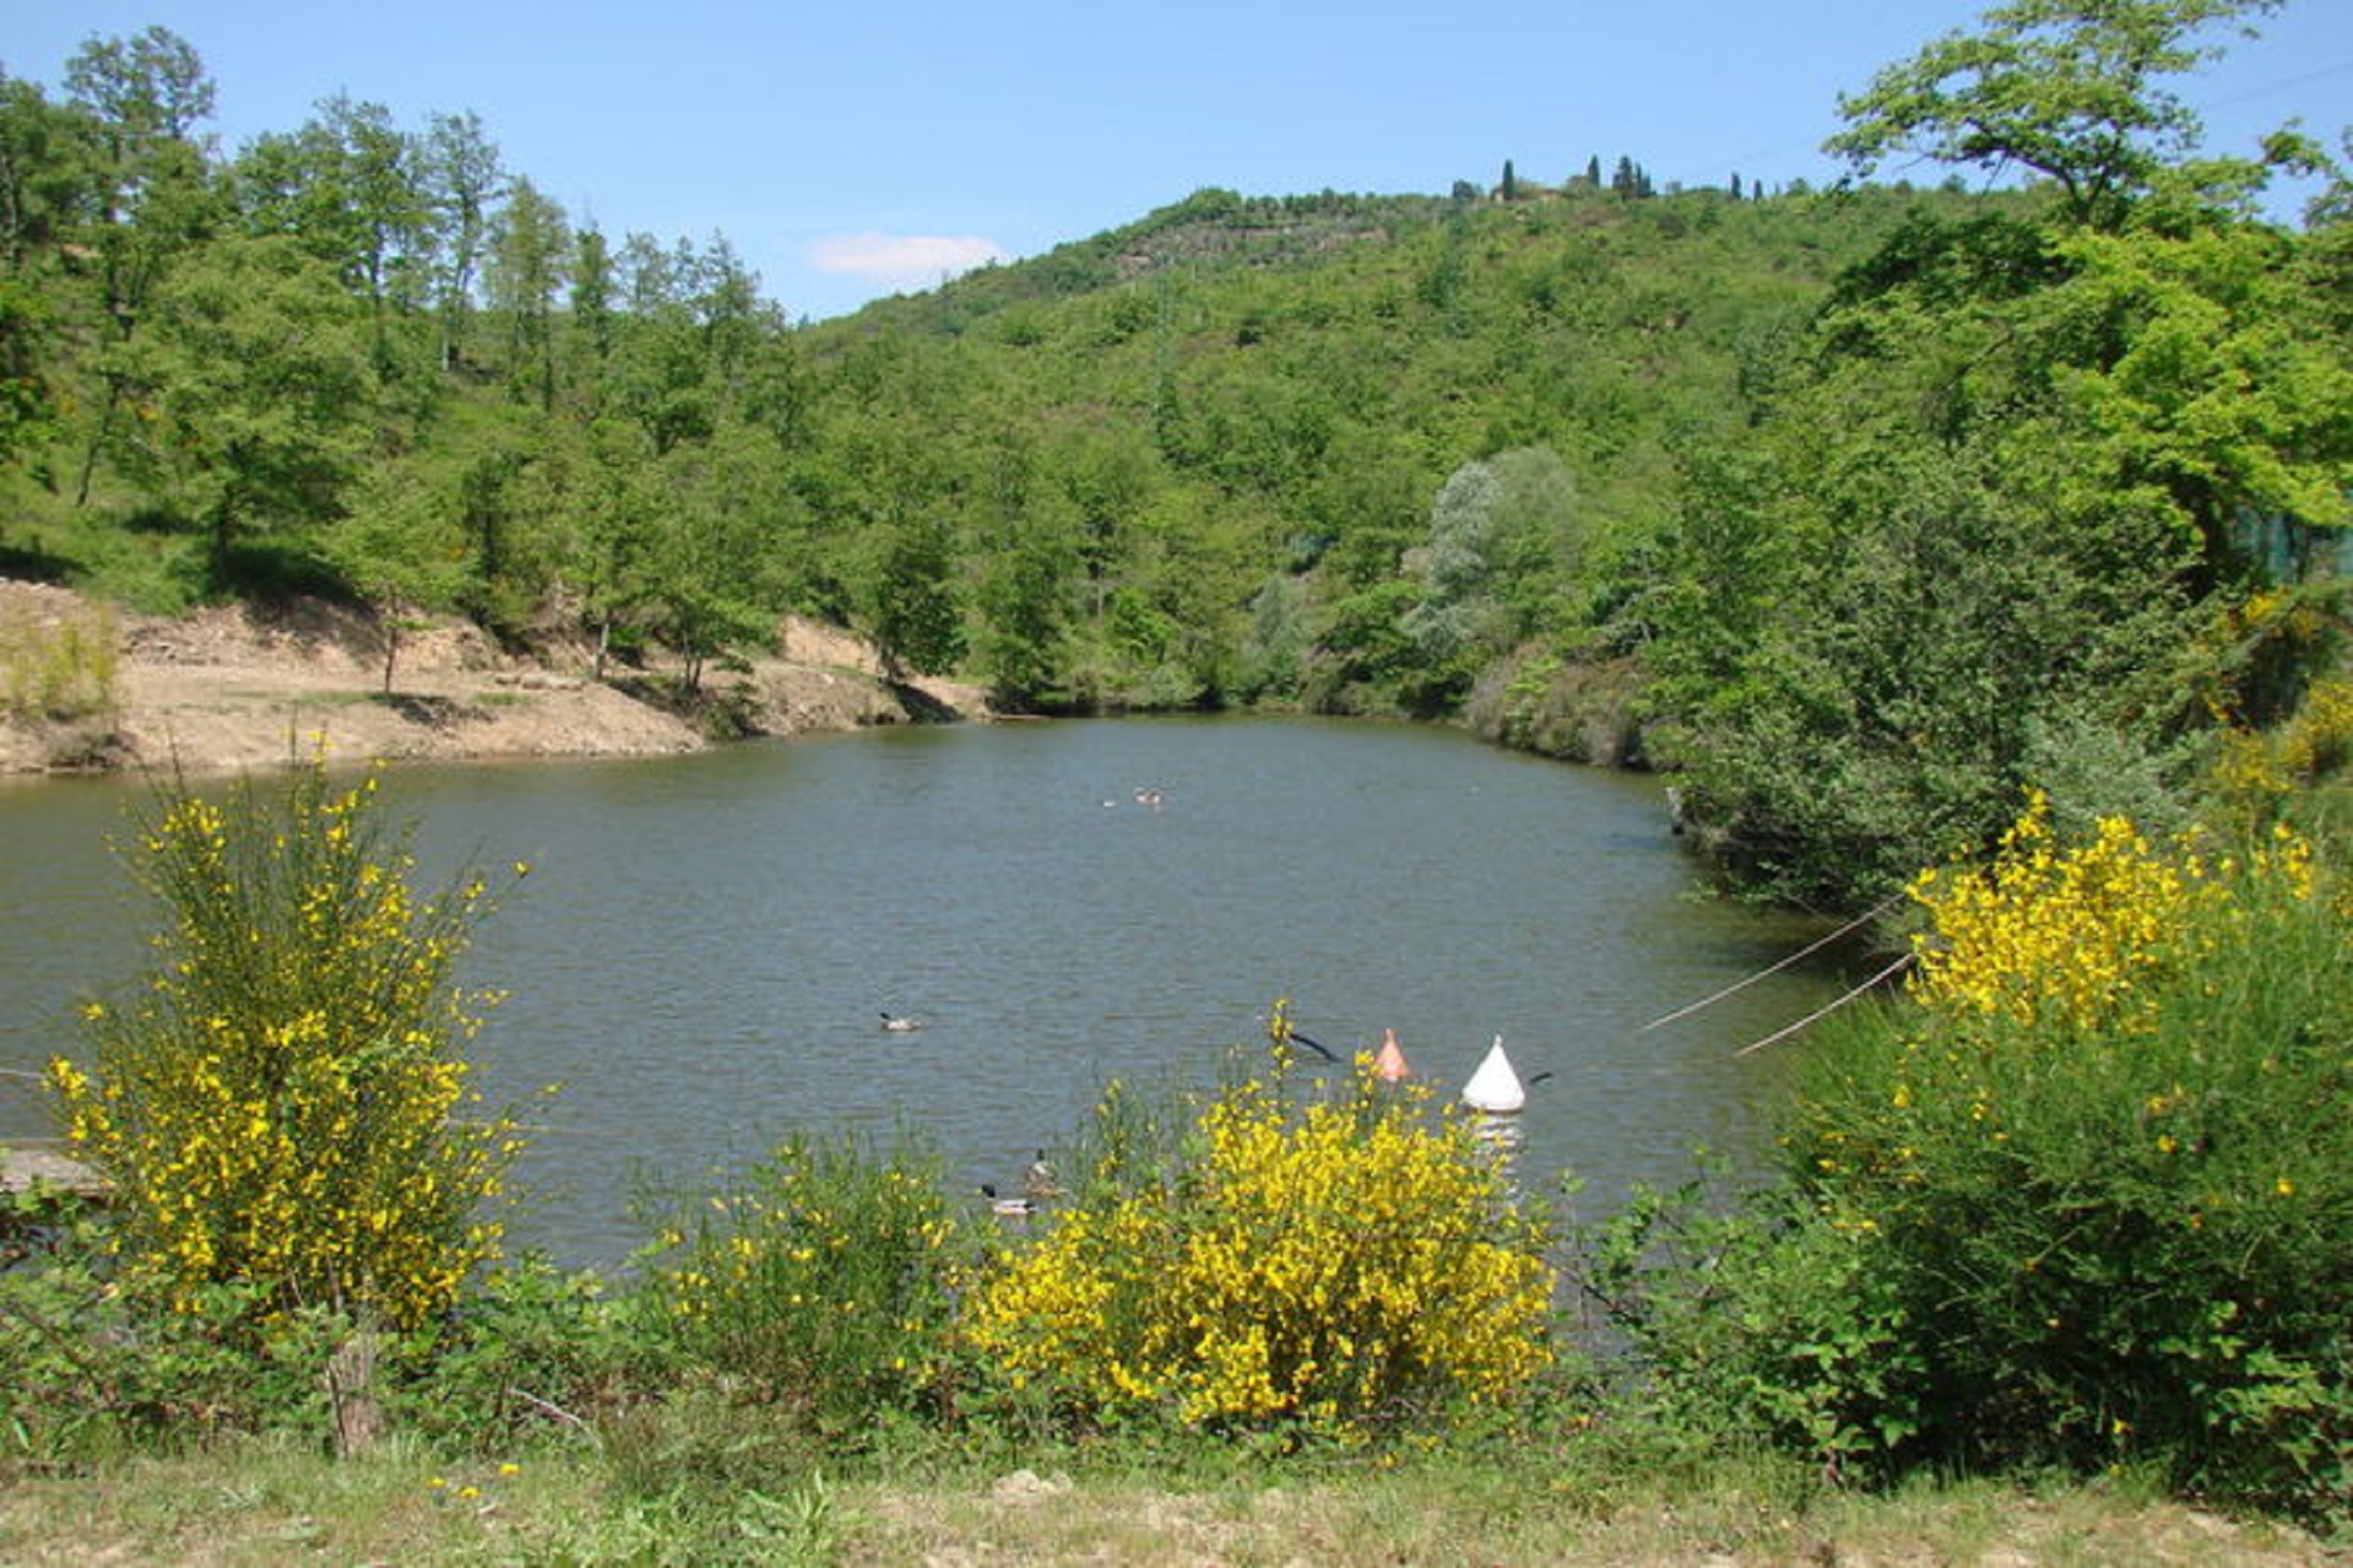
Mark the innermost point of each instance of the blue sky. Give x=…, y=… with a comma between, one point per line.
x=850, y=150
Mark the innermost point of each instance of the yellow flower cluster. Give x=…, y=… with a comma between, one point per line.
x=1331, y=1263
x=2047, y=928
x=2256, y=770
x=281, y=1106
x=2319, y=740
x=2074, y=934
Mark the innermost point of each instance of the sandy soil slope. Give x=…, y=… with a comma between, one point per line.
x=230, y=689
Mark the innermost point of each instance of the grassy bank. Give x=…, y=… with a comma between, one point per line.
x=1607, y=1497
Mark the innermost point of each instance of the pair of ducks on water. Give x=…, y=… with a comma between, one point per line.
x=1039, y=1185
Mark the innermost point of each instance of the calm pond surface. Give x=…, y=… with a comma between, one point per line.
x=705, y=945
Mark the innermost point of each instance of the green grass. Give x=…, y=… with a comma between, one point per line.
x=108, y=550
x=1603, y=1497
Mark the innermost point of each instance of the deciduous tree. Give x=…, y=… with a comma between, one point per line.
x=264, y=389
x=459, y=164
x=2070, y=89
x=143, y=98
x=530, y=250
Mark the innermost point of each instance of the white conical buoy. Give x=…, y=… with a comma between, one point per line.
x=1495, y=1088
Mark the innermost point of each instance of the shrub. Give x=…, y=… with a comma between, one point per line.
x=2087, y=1199
x=85, y=1379
x=280, y=1106
x=2319, y=740
x=2071, y=937
x=1338, y=1263
x=822, y=1283
x=60, y=664
x=1761, y=1315
x=531, y=1349
x=92, y=1366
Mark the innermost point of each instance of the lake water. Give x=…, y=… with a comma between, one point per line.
x=705, y=945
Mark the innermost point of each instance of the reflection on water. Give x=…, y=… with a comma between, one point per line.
x=707, y=944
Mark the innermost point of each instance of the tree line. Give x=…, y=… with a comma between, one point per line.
x=1863, y=507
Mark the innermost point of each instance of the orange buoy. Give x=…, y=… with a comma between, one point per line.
x=1390, y=1063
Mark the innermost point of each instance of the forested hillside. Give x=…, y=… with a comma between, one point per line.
x=1864, y=508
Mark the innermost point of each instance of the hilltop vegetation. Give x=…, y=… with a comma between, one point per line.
x=1866, y=508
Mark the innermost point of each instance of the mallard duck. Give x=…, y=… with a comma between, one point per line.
x=1008, y=1208
x=1040, y=1182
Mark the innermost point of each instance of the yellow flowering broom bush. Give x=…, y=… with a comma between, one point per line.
x=2086, y=1196
x=2073, y=935
x=1341, y=1262
x=285, y=1106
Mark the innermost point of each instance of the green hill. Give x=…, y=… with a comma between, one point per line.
x=1864, y=508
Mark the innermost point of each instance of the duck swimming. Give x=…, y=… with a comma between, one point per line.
x=1040, y=1182
x=1008, y=1208
x=901, y=1023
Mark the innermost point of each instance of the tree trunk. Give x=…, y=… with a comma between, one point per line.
x=98, y=440
x=351, y=1372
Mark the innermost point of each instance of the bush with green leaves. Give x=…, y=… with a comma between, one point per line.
x=94, y=1366
x=56, y=663
x=2087, y=1199
x=532, y=1350
x=820, y=1283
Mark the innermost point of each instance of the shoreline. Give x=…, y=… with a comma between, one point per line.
x=232, y=687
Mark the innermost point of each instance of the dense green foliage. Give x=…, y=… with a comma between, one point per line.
x=823, y=1284
x=1866, y=508
x=2079, y=1200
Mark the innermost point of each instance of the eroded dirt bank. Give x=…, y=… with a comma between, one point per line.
x=232, y=687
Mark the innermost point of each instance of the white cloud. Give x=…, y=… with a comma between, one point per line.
x=903, y=261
